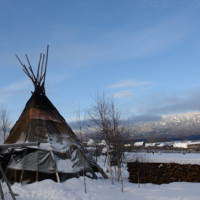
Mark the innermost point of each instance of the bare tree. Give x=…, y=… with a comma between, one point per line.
x=138, y=159
x=80, y=128
x=5, y=123
x=99, y=120
x=106, y=119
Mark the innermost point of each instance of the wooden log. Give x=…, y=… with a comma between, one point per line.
x=103, y=174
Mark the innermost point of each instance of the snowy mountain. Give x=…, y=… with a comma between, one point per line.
x=177, y=126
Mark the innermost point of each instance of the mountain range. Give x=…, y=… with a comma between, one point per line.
x=170, y=127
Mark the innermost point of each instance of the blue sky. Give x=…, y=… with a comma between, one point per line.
x=146, y=53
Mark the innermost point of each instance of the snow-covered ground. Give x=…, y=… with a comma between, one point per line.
x=73, y=189
x=187, y=158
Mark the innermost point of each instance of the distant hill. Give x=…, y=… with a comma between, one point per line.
x=176, y=127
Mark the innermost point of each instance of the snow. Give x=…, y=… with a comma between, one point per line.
x=180, y=145
x=164, y=158
x=127, y=145
x=104, y=150
x=138, y=144
x=185, y=144
x=163, y=144
x=73, y=189
x=149, y=144
x=102, y=143
x=91, y=143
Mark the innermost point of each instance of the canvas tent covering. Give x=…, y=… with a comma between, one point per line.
x=60, y=154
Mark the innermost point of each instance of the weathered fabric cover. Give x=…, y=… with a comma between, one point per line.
x=60, y=150
x=47, y=161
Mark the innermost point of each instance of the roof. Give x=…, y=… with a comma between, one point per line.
x=139, y=143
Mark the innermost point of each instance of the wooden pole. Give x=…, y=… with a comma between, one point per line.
x=41, y=72
x=30, y=68
x=6, y=180
x=36, y=176
x=46, y=63
x=19, y=60
x=1, y=191
x=15, y=176
x=57, y=177
x=22, y=174
x=26, y=144
x=24, y=66
x=103, y=174
x=38, y=71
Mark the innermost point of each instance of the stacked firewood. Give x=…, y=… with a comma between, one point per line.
x=159, y=173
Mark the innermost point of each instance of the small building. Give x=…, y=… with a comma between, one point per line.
x=91, y=143
x=180, y=145
x=188, y=144
x=102, y=143
x=139, y=144
x=193, y=145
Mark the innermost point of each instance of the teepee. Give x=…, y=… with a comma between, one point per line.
x=60, y=154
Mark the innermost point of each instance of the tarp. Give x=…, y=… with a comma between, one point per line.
x=33, y=160
x=48, y=162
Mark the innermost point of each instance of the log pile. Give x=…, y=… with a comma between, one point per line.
x=159, y=173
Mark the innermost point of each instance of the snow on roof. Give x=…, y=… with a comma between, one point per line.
x=163, y=144
x=180, y=145
x=149, y=144
x=127, y=145
x=91, y=142
x=138, y=144
x=104, y=150
x=103, y=143
x=192, y=143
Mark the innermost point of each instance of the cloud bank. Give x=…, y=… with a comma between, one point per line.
x=129, y=83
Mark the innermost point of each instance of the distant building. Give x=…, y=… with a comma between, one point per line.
x=102, y=143
x=188, y=144
x=91, y=143
x=193, y=145
x=139, y=144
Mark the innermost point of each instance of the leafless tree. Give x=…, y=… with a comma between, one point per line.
x=139, y=158
x=80, y=123
x=5, y=123
x=106, y=118
x=99, y=120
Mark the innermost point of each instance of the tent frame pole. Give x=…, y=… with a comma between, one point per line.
x=8, y=185
x=1, y=191
x=22, y=174
x=15, y=175
x=36, y=176
x=57, y=177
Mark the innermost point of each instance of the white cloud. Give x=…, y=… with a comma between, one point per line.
x=16, y=86
x=123, y=94
x=12, y=89
x=129, y=83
